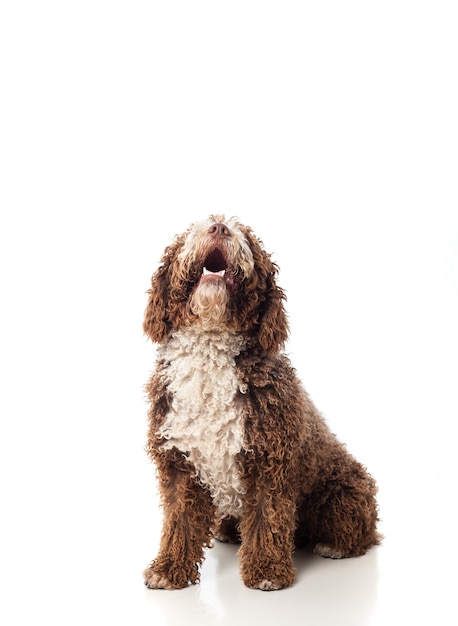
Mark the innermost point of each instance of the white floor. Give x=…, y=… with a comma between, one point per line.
x=120, y=124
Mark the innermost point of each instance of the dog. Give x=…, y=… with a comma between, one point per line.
x=242, y=454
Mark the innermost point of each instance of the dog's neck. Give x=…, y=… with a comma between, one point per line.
x=198, y=339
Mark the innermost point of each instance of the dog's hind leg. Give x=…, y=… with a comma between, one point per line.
x=188, y=518
x=344, y=525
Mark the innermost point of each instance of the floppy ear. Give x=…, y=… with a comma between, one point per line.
x=155, y=322
x=273, y=327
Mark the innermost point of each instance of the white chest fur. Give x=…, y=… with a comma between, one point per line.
x=205, y=419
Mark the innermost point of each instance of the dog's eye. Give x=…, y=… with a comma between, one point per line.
x=215, y=261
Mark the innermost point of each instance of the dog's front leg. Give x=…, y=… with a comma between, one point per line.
x=188, y=515
x=267, y=530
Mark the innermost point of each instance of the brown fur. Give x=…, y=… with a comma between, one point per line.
x=300, y=485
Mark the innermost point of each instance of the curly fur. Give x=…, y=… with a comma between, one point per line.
x=242, y=453
x=205, y=419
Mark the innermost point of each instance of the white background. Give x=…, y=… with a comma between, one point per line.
x=330, y=128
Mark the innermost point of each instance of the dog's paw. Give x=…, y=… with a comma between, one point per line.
x=269, y=585
x=156, y=578
x=329, y=552
x=267, y=577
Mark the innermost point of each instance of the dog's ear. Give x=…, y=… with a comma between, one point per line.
x=273, y=327
x=157, y=322
x=271, y=321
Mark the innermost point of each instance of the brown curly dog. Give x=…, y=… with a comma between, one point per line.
x=242, y=453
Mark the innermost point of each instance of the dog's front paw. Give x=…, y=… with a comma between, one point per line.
x=272, y=583
x=268, y=577
x=269, y=585
x=155, y=580
x=172, y=577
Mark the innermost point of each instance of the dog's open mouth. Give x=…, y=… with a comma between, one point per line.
x=215, y=265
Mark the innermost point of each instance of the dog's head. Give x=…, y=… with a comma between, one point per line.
x=218, y=275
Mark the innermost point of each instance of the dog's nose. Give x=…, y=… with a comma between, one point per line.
x=219, y=230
